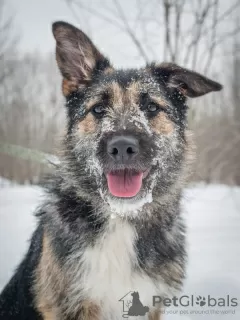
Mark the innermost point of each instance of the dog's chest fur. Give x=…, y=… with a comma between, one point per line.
x=109, y=270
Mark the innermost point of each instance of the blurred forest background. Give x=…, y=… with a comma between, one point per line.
x=203, y=35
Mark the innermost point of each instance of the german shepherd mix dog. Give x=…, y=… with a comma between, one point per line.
x=111, y=222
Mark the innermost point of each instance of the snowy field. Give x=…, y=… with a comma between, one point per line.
x=213, y=219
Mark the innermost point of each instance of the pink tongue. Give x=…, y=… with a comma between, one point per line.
x=124, y=184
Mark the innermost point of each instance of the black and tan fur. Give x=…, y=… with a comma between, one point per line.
x=90, y=248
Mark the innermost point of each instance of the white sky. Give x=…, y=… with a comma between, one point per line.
x=33, y=19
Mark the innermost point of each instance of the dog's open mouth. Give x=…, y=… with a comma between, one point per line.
x=125, y=183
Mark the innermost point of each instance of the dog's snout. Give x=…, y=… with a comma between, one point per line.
x=123, y=148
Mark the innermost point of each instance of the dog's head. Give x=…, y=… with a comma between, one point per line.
x=126, y=131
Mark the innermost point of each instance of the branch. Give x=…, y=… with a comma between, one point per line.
x=206, y=31
x=179, y=6
x=129, y=31
x=168, y=46
x=200, y=20
x=95, y=13
x=119, y=14
x=213, y=36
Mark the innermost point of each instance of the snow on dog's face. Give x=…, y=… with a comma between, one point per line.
x=126, y=135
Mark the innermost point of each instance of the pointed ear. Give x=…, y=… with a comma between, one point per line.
x=76, y=56
x=189, y=83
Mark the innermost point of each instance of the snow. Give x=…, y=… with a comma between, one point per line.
x=213, y=217
x=17, y=222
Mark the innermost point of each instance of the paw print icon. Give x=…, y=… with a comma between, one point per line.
x=201, y=301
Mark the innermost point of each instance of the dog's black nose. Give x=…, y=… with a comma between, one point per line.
x=123, y=148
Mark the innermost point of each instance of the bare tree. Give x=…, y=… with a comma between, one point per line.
x=189, y=32
x=235, y=83
x=218, y=134
x=32, y=115
x=8, y=42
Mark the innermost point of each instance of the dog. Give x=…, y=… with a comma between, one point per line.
x=111, y=221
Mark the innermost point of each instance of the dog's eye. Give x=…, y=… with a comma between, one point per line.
x=98, y=110
x=153, y=108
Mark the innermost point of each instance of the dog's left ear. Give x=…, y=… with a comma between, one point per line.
x=77, y=57
x=189, y=83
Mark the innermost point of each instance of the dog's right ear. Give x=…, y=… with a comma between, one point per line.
x=77, y=57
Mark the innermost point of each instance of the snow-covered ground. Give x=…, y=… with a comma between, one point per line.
x=213, y=219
